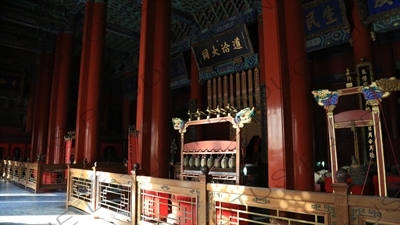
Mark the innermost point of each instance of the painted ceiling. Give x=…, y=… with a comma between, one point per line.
x=28, y=27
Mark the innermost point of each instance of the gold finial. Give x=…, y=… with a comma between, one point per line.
x=199, y=114
x=349, y=83
x=230, y=109
x=210, y=111
x=373, y=36
x=220, y=111
x=190, y=115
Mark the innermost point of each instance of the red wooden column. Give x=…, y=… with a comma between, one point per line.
x=385, y=57
x=299, y=80
x=390, y=111
x=87, y=120
x=361, y=37
x=279, y=136
x=42, y=104
x=59, y=98
x=152, y=117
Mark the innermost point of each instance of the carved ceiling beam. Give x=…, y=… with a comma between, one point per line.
x=77, y=6
x=182, y=17
x=34, y=23
x=21, y=45
x=45, y=25
x=176, y=14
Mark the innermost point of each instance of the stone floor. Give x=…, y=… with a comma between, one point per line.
x=22, y=206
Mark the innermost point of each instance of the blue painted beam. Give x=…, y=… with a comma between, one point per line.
x=182, y=17
x=56, y=28
x=78, y=6
x=177, y=15
x=20, y=45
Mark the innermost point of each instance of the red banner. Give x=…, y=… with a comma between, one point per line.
x=68, y=145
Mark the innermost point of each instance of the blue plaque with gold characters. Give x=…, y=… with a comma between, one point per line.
x=324, y=16
x=380, y=6
x=227, y=46
x=378, y=10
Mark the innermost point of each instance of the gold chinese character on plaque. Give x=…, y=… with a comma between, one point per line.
x=205, y=54
x=380, y=3
x=329, y=14
x=364, y=77
x=236, y=43
x=364, y=71
x=225, y=47
x=311, y=20
x=214, y=51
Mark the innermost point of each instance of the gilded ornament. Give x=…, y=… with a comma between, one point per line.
x=372, y=92
x=195, y=191
x=165, y=187
x=179, y=124
x=387, y=85
x=244, y=116
x=349, y=83
x=326, y=97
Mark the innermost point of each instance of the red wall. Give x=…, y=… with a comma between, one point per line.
x=117, y=146
x=334, y=65
x=12, y=138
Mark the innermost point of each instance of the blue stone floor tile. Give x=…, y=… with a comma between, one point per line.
x=22, y=206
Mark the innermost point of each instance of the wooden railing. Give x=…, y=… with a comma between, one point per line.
x=172, y=201
x=103, y=194
x=81, y=189
x=36, y=176
x=135, y=199
x=113, y=197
